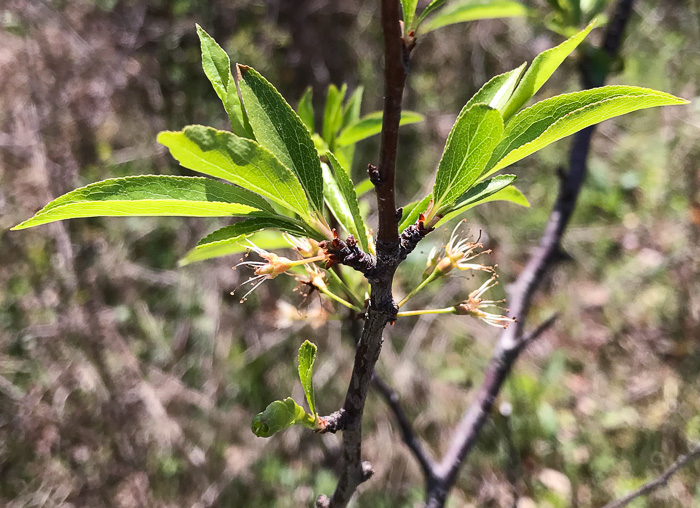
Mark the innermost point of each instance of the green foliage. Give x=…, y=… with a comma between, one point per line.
x=151, y=196
x=282, y=414
x=461, y=11
x=307, y=357
x=342, y=200
x=278, y=128
x=371, y=125
x=472, y=139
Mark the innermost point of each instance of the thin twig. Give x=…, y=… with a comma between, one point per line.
x=657, y=482
x=407, y=433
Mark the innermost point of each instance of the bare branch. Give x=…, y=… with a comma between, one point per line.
x=657, y=482
x=407, y=433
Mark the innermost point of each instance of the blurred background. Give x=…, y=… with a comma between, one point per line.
x=126, y=381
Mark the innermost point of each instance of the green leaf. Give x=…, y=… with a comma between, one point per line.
x=484, y=192
x=410, y=212
x=498, y=90
x=469, y=10
x=238, y=160
x=279, y=129
x=151, y=196
x=233, y=239
x=543, y=66
x=217, y=68
x=428, y=9
x=563, y=115
x=307, y=357
x=409, y=11
x=351, y=113
x=278, y=416
x=306, y=109
x=342, y=200
x=363, y=187
x=476, y=132
x=333, y=113
x=371, y=125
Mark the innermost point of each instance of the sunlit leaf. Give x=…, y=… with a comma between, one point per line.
x=279, y=129
x=555, y=118
x=498, y=90
x=540, y=70
x=333, y=113
x=476, y=132
x=469, y=10
x=371, y=125
x=435, y=4
x=151, y=196
x=409, y=11
x=217, y=68
x=238, y=160
x=411, y=212
x=307, y=357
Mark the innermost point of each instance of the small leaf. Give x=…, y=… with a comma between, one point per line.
x=233, y=239
x=543, y=66
x=476, y=132
x=428, y=9
x=238, y=160
x=411, y=211
x=409, y=11
x=552, y=119
x=483, y=192
x=469, y=10
x=279, y=129
x=278, y=416
x=351, y=113
x=217, y=68
x=498, y=90
x=333, y=113
x=371, y=125
x=307, y=357
x=306, y=109
x=151, y=196
x=342, y=201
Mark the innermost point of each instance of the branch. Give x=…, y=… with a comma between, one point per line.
x=381, y=309
x=407, y=434
x=658, y=482
x=395, y=72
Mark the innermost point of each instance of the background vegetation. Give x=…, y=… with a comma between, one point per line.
x=127, y=382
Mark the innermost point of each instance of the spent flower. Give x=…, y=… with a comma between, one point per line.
x=474, y=306
x=457, y=254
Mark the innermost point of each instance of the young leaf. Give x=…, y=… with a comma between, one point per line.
x=428, y=9
x=411, y=211
x=476, y=132
x=279, y=129
x=409, y=11
x=351, y=113
x=333, y=113
x=555, y=118
x=480, y=193
x=306, y=108
x=510, y=194
x=541, y=69
x=498, y=90
x=232, y=239
x=468, y=10
x=151, y=196
x=217, y=68
x=278, y=416
x=307, y=357
x=371, y=125
x=238, y=160
x=342, y=201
